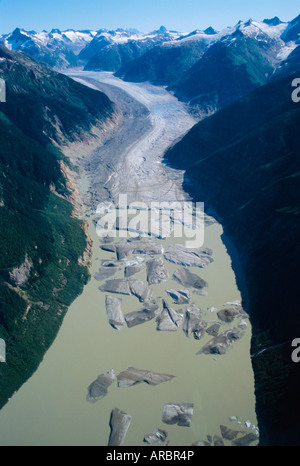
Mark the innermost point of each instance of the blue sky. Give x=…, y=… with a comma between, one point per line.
x=145, y=15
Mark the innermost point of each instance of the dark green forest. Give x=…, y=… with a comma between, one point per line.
x=41, y=240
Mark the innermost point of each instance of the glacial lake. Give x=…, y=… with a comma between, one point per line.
x=51, y=408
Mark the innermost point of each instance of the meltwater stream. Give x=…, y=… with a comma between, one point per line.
x=52, y=409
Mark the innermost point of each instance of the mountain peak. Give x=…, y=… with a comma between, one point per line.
x=292, y=33
x=162, y=29
x=237, y=34
x=273, y=21
x=295, y=20
x=19, y=34
x=210, y=31
x=17, y=31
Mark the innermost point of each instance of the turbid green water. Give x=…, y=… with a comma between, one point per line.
x=51, y=408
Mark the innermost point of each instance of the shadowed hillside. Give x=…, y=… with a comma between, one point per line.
x=244, y=163
x=44, y=253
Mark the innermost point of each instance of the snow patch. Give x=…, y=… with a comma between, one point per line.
x=286, y=51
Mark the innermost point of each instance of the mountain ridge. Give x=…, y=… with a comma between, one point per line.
x=244, y=162
x=232, y=62
x=44, y=261
x=71, y=48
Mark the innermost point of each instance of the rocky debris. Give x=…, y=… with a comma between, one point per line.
x=212, y=309
x=105, y=272
x=136, y=261
x=192, y=322
x=108, y=247
x=189, y=279
x=119, y=425
x=178, y=413
x=156, y=271
x=110, y=263
x=131, y=270
x=243, y=325
x=132, y=376
x=140, y=289
x=114, y=312
x=233, y=419
x=20, y=275
x=168, y=319
x=180, y=296
x=148, y=312
x=201, y=443
x=200, y=293
x=157, y=437
x=227, y=315
x=188, y=257
x=208, y=220
x=245, y=441
x=228, y=433
x=236, y=303
x=221, y=343
x=117, y=285
x=135, y=238
x=123, y=249
x=107, y=239
x=243, y=313
x=218, y=441
x=213, y=329
x=98, y=388
x=128, y=286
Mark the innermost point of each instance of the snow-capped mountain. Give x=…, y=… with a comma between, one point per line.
x=56, y=48
x=110, y=50
x=211, y=69
x=107, y=50
x=251, y=51
x=272, y=31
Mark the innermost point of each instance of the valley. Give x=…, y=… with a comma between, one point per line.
x=219, y=386
x=131, y=161
x=148, y=126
